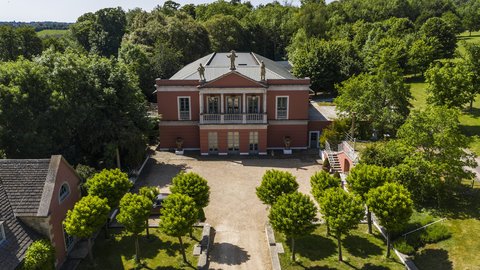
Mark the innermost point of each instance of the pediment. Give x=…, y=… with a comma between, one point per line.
x=233, y=79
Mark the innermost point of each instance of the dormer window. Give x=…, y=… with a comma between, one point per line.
x=64, y=192
x=2, y=232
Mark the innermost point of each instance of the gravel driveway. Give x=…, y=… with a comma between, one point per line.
x=235, y=212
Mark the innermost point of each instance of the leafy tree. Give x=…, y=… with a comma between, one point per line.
x=87, y=216
x=382, y=99
x=149, y=192
x=85, y=172
x=363, y=178
x=472, y=62
x=421, y=54
x=321, y=181
x=194, y=186
x=134, y=210
x=380, y=51
x=179, y=213
x=342, y=211
x=392, y=206
x=109, y=184
x=31, y=43
x=226, y=33
x=454, y=21
x=21, y=41
x=384, y=154
x=470, y=13
x=205, y=12
x=312, y=18
x=449, y=84
x=40, y=255
x=326, y=63
x=435, y=136
x=294, y=215
x=439, y=29
x=274, y=184
x=335, y=132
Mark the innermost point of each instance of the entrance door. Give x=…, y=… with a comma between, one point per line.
x=213, y=104
x=233, y=142
x=314, y=136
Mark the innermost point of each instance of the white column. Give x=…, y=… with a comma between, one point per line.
x=265, y=101
x=201, y=103
x=244, y=100
x=221, y=103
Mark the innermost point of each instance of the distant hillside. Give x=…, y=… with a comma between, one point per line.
x=39, y=26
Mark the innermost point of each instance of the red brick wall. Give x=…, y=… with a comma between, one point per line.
x=244, y=139
x=297, y=104
x=59, y=209
x=345, y=162
x=169, y=134
x=297, y=133
x=168, y=104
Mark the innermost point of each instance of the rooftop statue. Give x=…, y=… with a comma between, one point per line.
x=232, y=57
x=262, y=71
x=201, y=72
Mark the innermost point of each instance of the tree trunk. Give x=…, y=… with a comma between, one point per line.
x=137, y=250
x=146, y=228
x=388, y=245
x=293, y=249
x=340, y=258
x=118, y=157
x=369, y=221
x=182, y=249
x=90, y=254
x=328, y=228
x=107, y=236
x=471, y=102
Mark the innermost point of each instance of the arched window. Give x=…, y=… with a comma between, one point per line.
x=64, y=192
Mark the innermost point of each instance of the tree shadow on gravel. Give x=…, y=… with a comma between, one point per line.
x=229, y=254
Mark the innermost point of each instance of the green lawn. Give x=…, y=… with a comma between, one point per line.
x=469, y=120
x=465, y=37
x=51, y=33
x=460, y=251
x=360, y=251
x=158, y=252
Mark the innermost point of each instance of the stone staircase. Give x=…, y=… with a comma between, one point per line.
x=332, y=158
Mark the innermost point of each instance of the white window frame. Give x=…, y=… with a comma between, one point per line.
x=60, y=199
x=235, y=135
x=2, y=232
x=276, y=107
x=250, y=97
x=254, y=142
x=189, y=108
x=210, y=135
x=310, y=141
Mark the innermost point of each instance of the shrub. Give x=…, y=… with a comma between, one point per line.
x=326, y=165
x=435, y=233
x=39, y=255
x=403, y=246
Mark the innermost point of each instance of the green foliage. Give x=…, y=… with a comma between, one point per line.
x=435, y=233
x=134, y=210
x=385, y=154
x=294, y=215
x=86, y=217
x=381, y=99
x=326, y=63
x=470, y=13
x=192, y=185
x=421, y=54
x=15, y=42
x=179, y=213
x=274, y=184
x=40, y=255
x=444, y=33
x=363, y=178
x=387, y=50
x=109, y=184
x=472, y=63
x=342, y=212
x=335, y=132
x=101, y=32
x=402, y=246
x=226, y=33
x=149, y=192
x=392, y=205
x=321, y=181
x=449, y=84
x=85, y=172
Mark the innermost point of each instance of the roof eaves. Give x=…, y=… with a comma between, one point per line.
x=46, y=198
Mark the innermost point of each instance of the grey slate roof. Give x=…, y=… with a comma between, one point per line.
x=23, y=181
x=18, y=236
x=248, y=64
x=25, y=190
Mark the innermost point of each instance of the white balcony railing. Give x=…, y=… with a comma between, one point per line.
x=281, y=114
x=184, y=115
x=233, y=118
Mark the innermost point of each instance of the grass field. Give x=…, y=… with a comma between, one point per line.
x=51, y=33
x=458, y=252
x=465, y=37
x=360, y=251
x=158, y=252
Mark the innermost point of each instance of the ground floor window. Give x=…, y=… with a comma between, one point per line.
x=233, y=141
x=212, y=142
x=253, y=141
x=69, y=240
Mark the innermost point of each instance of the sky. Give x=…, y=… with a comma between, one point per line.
x=70, y=10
